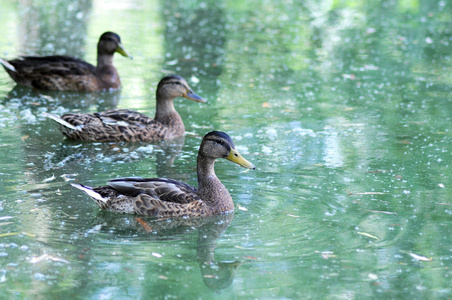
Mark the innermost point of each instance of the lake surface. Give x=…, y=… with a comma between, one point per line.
x=345, y=109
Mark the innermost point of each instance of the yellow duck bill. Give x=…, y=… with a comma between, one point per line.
x=235, y=157
x=193, y=96
x=122, y=51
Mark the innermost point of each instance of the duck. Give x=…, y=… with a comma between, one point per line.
x=166, y=198
x=65, y=73
x=124, y=125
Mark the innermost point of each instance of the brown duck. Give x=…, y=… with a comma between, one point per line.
x=161, y=197
x=128, y=125
x=64, y=73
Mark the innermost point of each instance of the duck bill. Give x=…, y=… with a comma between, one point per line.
x=192, y=96
x=123, y=52
x=235, y=157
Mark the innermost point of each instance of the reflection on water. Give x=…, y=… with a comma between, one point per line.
x=32, y=98
x=215, y=274
x=166, y=153
x=198, y=54
x=62, y=27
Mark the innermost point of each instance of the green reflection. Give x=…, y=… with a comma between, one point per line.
x=53, y=27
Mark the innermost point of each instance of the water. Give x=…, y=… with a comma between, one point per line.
x=343, y=107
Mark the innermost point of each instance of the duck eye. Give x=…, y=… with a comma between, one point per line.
x=219, y=141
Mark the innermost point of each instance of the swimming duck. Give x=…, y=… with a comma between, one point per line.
x=128, y=125
x=64, y=73
x=161, y=197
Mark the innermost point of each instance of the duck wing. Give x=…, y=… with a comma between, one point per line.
x=154, y=197
x=158, y=197
x=114, y=125
x=125, y=117
x=116, y=117
x=58, y=65
x=54, y=73
x=166, y=190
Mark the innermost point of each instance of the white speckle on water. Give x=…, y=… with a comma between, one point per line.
x=304, y=132
x=59, y=110
x=271, y=133
x=134, y=155
x=406, y=192
x=39, y=276
x=95, y=229
x=27, y=116
x=194, y=79
x=242, y=149
x=266, y=150
x=171, y=62
x=49, y=179
x=147, y=149
x=68, y=177
x=420, y=288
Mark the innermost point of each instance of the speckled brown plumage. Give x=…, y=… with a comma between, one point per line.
x=131, y=126
x=161, y=197
x=64, y=73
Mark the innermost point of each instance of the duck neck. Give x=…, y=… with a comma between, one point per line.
x=104, y=60
x=106, y=72
x=210, y=188
x=166, y=114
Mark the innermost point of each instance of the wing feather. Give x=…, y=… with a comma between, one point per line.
x=114, y=125
x=155, y=197
x=126, y=115
x=166, y=190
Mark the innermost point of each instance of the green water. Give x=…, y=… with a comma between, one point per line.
x=345, y=108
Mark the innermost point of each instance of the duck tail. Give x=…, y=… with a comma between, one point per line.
x=7, y=65
x=90, y=192
x=60, y=121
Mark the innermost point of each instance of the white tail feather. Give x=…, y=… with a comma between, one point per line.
x=7, y=65
x=89, y=191
x=60, y=121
